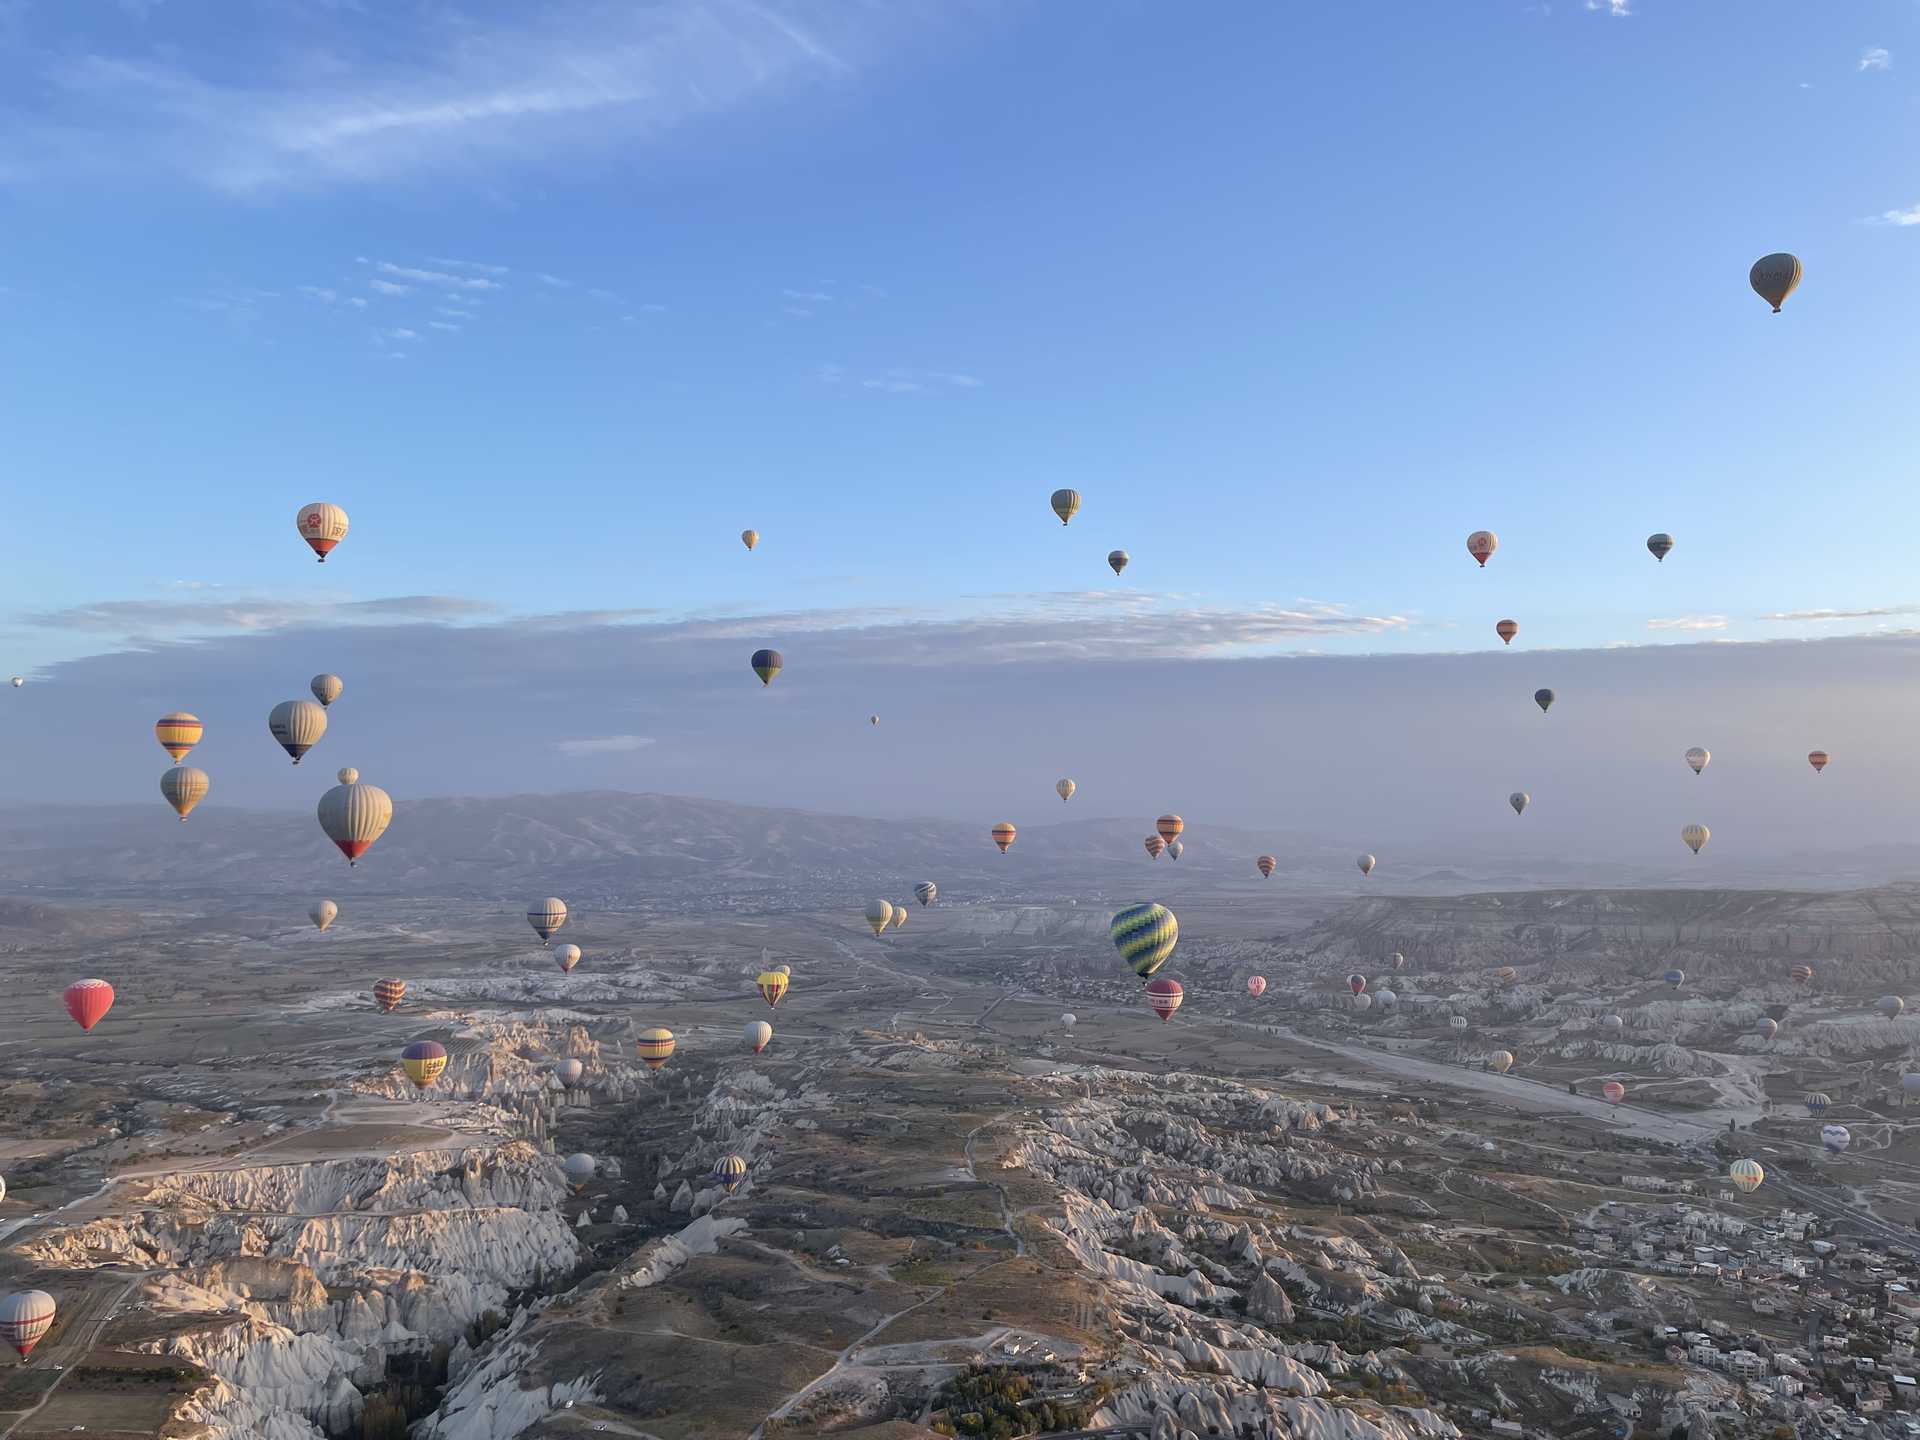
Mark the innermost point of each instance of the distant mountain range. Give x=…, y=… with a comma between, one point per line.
x=631, y=848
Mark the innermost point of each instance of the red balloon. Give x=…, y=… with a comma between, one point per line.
x=1165, y=997
x=87, y=1001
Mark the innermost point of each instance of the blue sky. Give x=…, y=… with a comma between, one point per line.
x=556, y=299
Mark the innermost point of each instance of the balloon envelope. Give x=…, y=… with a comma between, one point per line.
x=178, y=733
x=1168, y=827
x=729, y=1172
x=566, y=957
x=767, y=664
x=749, y=538
x=1746, y=1175
x=1266, y=865
x=1500, y=1060
x=1066, y=504
x=26, y=1316
x=1366, y=864
x=1614, y=1092
x=1544, y=699
x=424, y=1060
x=759, y=1035
x=1506, y=630
x=1697, y=759
x=1256, y=984
x=579, y=1169
x=323, y=913
x=1660, y=545
x=1519, y=800
x=772, y=984
x=879, y=915
x=1118, y=560
x=1165, y=996
x=326, y=688
x=1835, y=1137
x=926, y=892
x=1064, y=788
x=354, y=816
x=569, y=1071
x=1145, y=935
x=1356, y=983
x=388, y=994
x=1774, y=277
x=87, y=1001
x=1817, y=759
x=297, y=725
x=547, y=916
x=1003, y=836
x=1481, y=544
x=184, y=787
x=655, y=1046
x=322, y=526
x=1695, y=836
x=1891, y=1005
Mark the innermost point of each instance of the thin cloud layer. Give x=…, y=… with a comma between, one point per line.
x=426, y=92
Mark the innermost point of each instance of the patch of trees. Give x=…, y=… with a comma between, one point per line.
x=996, y=1403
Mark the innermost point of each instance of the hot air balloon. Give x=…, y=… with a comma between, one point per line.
x=1145, y=935
x=1506, y=630
x=1069, y=1020
x=323, y=913
x=354, y=816
x=1506, y=975
x=1544, y=699
x=1168, y=827
x=749, y=538
x=1066, y=504
x=87, y=1001
x=1154, y=845
x=326, y=688
x=566, y=957
x=1003, y=834
x=1612, y=1024
x=547, y=916
x=926, y=892
x=879, y=915
x=1835, y=1137
x=1767, y=1028
x=1817, y=1102
x=1118, y=560
x=772, y=985
x=1366, y=864
x=1266, y=865
x=1613, y=1092
x=1500, y=1061
x=729, y=1172
x=1481, y=544
x=1675, y=978
x=1746, y=1175
x=579, y=1168
x=3, y=1187
x=1361, y=1002
x=569, y=1071
x=759, y=1035
x=1800, y=974
x=1064, y=788
x=1695, y=836
x=655, y=1046
x=423, y=1061
x=1697, y=758
x=178, y=733
x=1165, y=995
x=183, y=788
x=1256, y=985
x=297, y=726
x=899, y=915
x=786, y=970
x=17, y=681
x=347, y=775
x=1387, y=999
x=26, y=1316
x=1774, y=277
x=767, y=664
x=1519, y=800
x=1356, y=982
x=388, y=994
x=1175, y=849
x=1660, y=545
x=1818, y=759
x=1456, y=1022
x=322, y=526
x=1399, y=961
x=1891, y=1006
x=873, y=719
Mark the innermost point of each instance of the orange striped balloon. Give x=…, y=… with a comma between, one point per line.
x=388, y=994
x=1003, y=834
x=655, y=1046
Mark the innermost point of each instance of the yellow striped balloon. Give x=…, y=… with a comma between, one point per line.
x=178, y=733
x=1003, y=834
x=749, y=538
x=655, y=1046
x=728, y=1172
x=1145, y=935
x=899, y=915
x=773, y=984
x=879, y=915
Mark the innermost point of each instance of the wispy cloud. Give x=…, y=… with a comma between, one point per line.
x=908, y=382
x=1816, y=617
x=321, y=293
x=401, y=333
x=554, y=280
x=1619, y=9
x=156, y=619
x=431, y=91
x=807, y=297
x=1876, y=57
x=473, y=265
x=447, y=325
x=1690, y=623
x=453, y=312
x=604, y=745
x=1909, y=216
x=436, y=277
x=387, y=287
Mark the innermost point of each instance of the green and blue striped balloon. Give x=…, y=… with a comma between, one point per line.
x=1145, y=935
